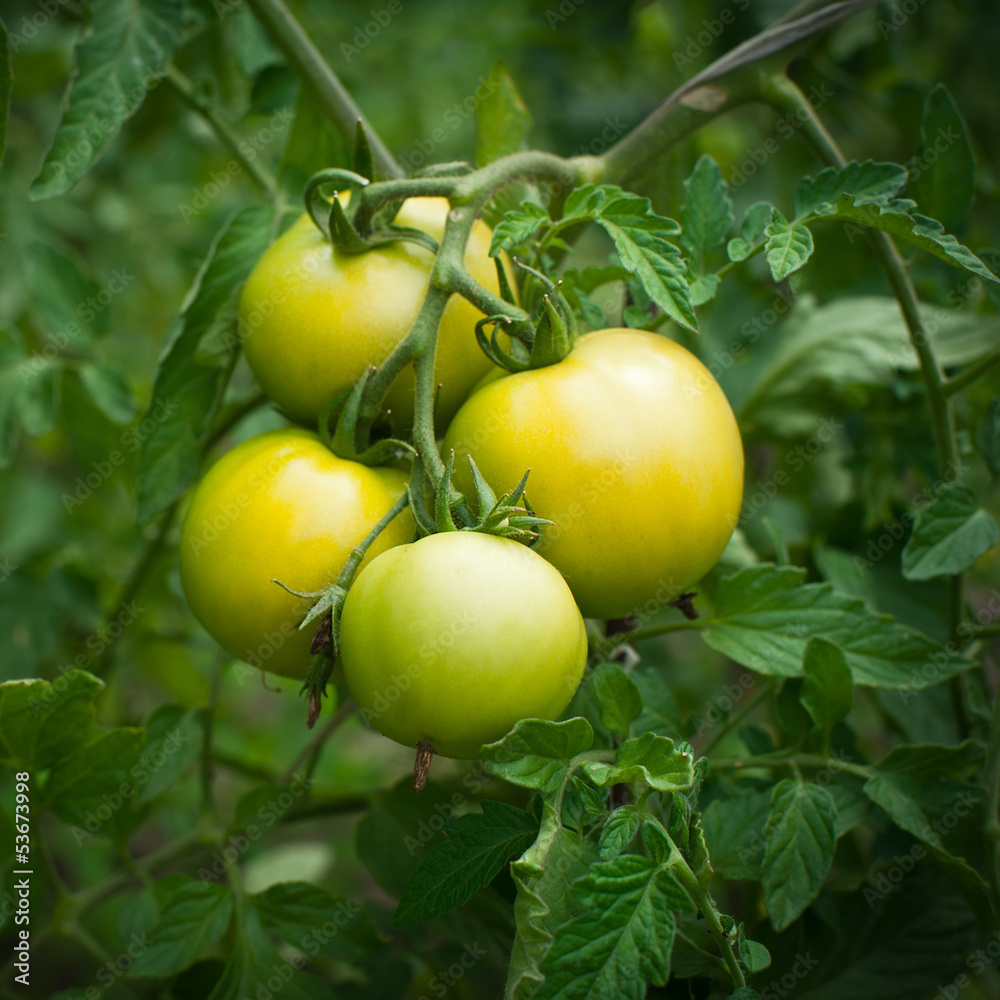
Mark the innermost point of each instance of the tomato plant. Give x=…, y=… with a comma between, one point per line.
x=599, y=401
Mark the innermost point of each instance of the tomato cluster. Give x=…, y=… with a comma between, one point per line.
x=635, y=460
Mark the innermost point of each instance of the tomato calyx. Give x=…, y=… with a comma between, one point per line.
x=543, y=340
x=501, y=516
x=346, y=408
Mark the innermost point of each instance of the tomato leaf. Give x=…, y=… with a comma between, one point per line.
x=6, y=86
x=799, y=843
x=120, y=58
x=96, y=778
x=622, y=939
x=788, y=246
x=706, y=212
x=757, y=605
x=648, y=758
x=949, y=535
x=536, y=753
x=316, y=921
x=173, y=740
x=620, y=828
x=186, y=392
x=478, y=846
x=518, y=227
x=108, y=391
x=734, y=833
x=618, y=699
x=544, y=876
x=943, y=173
x=828, y=690
x=42, y=723
x=869, y=183
x=194, y=917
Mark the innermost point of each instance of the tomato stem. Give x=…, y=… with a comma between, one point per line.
x=422, y=764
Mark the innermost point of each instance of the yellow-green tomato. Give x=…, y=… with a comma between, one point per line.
x=313, y=319
x=280, y=506
x=453, y=639
x=634, y=455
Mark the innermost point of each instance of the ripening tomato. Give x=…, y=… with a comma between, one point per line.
x=634, y=454
x=453, y=639
x=312, y=319
x=280, y=506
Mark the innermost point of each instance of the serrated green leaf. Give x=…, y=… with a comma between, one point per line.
x=706, y=212
x=254, y=960
x=41, y=723
x=39, y=396
x=502, y=119
x=788, y=247
x=517, y=227
x=618, y=699
x=619, y=829
x=65, y=293
x=800, y=839
x=737, y=249
x=897, y=218
x=6, y=86
x=536, y=753
x=734, y=833
x=108, y=391
x=194, y=917
x=831, y=350
x=477, y=848
x=97, y=778
x=315, y=921
x=544, y=876
x=652, y=759
x=949, y=535
x=186, y=393
x=119, y=59
x=943, y=173
x=703, y=288
x=622, y=940
x=173, y=740
x=827, y=690
x=918, y=786
x=765, y=617
x=868, y=182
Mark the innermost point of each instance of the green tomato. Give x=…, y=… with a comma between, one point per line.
x=313, y=319
x=634, y=455
x=280, y=506
x=453, y=639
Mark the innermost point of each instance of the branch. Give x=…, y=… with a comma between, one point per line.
x=718, y=88
x=305, y=59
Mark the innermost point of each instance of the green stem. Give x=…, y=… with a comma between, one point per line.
x=307, y=62
x=783, y=94
x=233, y=141
x=309, y=755
x=991, y=783
x=701, y=898
x=783, y=759
x=764, y=692
x=970, y=375
x=209, y=806
x=654, y=630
